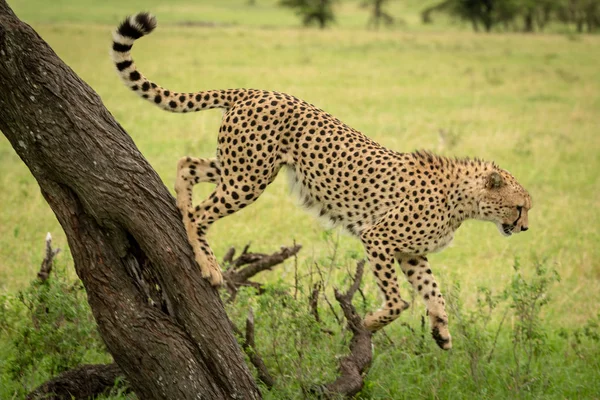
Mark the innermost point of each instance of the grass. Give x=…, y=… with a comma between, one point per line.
x=529, y=102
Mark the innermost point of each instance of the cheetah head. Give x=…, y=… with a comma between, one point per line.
x=505, y=202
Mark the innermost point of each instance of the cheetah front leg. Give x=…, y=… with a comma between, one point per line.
x=418, y=273
x=191, y=171
x=381, y=259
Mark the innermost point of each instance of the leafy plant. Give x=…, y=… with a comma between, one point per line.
x=50, y=329
x=527, y=298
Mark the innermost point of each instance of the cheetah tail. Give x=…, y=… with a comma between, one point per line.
x=136, y=26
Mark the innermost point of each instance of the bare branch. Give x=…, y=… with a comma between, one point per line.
x=337, y=318
x=360, y=267
x=314, y=305
x=249, y=346
x=228, y=258
x=357, y=362
x=267, y=261
x=314, y=301
x=248, y=265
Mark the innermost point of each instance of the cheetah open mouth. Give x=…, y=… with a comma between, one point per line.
x=506, y=229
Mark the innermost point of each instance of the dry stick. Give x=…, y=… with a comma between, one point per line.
x=314, y=305
x=295, y=276
x=43, y=275
x=337, y=318
x=249, y=347
x=266, y=262
x=354, y=365
x=228, y=258
x=314, y=301
x=249, y=264
x=47, y=263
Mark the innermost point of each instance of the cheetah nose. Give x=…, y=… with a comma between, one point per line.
x=524, y=228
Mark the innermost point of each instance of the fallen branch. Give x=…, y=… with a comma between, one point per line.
x=83, y=382
x=357, y=362
x=238, y=271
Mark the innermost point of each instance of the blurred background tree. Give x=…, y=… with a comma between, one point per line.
x=318, y=12
x=378, y=14
x=519, y=15
x=581, y=13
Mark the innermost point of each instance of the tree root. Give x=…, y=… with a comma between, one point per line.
x=83, y=382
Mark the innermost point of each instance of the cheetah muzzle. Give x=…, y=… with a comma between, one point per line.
x=401, y=206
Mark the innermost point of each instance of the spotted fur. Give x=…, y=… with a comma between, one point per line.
x=402, y=206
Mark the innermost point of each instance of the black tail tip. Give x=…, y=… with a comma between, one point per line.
x=147, y=21
x=137, y=26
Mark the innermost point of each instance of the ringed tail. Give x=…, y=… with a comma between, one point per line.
x=133, y=28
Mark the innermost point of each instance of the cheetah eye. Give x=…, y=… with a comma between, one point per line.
x=519, y=208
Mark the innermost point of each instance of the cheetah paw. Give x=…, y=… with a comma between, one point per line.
x=441, y=334
x=372, y=322
x=210, y=270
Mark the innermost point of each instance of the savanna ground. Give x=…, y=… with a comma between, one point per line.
x=529, y=102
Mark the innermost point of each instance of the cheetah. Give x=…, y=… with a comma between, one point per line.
x=401, y=206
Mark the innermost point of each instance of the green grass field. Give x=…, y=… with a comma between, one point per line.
x=529, y=102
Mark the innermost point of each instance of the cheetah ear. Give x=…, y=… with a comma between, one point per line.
x=494, y=181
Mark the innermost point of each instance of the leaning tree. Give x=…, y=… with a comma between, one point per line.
x=121, y=224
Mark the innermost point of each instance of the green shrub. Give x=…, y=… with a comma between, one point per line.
x=298, y=351
x=47, y=328
x=503, y=344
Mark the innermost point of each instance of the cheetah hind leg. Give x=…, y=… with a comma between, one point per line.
x=223, y=201
x=191, y=171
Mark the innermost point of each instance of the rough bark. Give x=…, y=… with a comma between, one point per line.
x=121, y=224
x=84, y=382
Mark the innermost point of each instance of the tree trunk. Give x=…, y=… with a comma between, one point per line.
x=323, y=14
x=121, y=224
x=528, y=22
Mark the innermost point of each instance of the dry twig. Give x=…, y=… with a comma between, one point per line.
x=247, y=265
x=249, y=347
x=48, y=260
